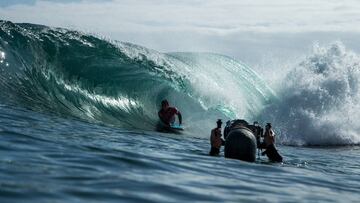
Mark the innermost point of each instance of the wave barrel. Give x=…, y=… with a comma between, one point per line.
x=241, y=144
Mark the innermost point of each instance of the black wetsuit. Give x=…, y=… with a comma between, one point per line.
x=214, y=151
x=272, y=153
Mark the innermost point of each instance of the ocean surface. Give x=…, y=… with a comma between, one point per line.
x=78, y=116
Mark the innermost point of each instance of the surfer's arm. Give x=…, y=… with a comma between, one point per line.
x=180, y=117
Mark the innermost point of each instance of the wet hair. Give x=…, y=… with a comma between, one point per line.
x=164, y=102
x=268, y=125
x=219, y=122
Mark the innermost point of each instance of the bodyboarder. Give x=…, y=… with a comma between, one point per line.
x=167, y=113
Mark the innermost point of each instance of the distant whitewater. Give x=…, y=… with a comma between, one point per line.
x=319, y=99
x=72, y=74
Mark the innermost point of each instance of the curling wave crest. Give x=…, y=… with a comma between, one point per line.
x=73, y=74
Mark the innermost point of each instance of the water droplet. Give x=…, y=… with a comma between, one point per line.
x=2, y=55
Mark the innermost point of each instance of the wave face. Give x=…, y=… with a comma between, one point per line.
x=319, y=103
x=72, y=74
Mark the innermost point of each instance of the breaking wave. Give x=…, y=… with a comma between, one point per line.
x=319, y=102
x=73, y=74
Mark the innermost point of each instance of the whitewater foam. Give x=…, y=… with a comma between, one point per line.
x=319, y=101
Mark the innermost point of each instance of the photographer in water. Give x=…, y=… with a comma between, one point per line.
x=269, y=144
x=215, y=139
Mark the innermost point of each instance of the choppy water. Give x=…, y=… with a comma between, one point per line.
x=49, y=159
x=77, y=117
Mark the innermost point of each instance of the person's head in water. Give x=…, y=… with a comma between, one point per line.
x=268, y=126
x=219, y=123
x=164, y=104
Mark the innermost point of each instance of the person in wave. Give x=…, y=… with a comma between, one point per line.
x=167, y=113
x=215, y=139
x=269, y=145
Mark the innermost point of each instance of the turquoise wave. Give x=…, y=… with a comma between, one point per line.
x=73, y=74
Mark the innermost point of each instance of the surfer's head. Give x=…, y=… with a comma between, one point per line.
x=164, y=104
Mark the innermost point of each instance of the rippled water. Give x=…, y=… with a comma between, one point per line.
x=50, y=159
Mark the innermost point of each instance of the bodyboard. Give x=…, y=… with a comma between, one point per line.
x=176, y=127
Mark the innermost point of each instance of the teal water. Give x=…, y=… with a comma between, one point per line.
x=77, y=117
x=50, y=159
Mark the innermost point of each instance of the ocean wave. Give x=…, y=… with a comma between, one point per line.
x=70, y=73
